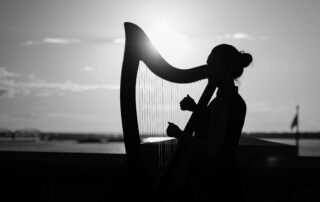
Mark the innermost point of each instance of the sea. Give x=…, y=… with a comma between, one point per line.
x=63, y=147
x=306, y=147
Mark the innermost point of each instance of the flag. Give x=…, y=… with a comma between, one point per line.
x=294, y=121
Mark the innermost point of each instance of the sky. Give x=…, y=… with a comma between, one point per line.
x=60, y=61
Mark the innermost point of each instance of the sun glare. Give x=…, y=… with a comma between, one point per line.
x=170, y=43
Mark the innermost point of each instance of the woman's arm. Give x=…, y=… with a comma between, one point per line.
x=174, y=131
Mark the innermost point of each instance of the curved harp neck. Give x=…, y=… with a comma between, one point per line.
x=141, y=47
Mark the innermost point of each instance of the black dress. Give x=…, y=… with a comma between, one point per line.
x=213, y=172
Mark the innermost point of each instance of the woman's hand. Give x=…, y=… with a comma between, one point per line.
x=173, y=130
x=187, y=103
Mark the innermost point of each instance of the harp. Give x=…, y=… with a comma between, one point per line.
x=139, y=48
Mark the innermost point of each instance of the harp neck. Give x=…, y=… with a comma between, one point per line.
x=203, y=102
x=139, y=46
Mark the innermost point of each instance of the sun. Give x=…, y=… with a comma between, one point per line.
x=169, y=42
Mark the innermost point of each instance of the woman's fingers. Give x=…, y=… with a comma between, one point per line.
x=173, y=130
x=187, y=103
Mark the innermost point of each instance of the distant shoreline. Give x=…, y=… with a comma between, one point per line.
x=302, y=135
x=114, y=137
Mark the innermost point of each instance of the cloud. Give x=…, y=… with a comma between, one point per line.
x=237, y=36
x=63, y=41
x=240, y=36
x=88, y=68
x=68, y=41
x=11, y=86
x=29, y=43
x=4, y=73
x=119, y=41
x=52, y=40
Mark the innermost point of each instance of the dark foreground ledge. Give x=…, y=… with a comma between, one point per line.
x=270, y=172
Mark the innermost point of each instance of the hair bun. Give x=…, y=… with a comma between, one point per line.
x=244, y=59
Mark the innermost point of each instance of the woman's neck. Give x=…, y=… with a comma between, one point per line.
x=226, y=85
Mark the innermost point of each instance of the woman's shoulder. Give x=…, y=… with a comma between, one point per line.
x=228, y=102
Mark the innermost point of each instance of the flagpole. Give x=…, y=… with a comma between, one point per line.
x=297, y=130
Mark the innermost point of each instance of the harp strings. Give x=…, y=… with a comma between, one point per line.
x=157, y=103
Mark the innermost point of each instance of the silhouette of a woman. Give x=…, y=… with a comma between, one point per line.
x=213, y=175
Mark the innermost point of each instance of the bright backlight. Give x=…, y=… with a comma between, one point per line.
x=170, y=43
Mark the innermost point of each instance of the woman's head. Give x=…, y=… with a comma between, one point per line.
x=226, y=62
